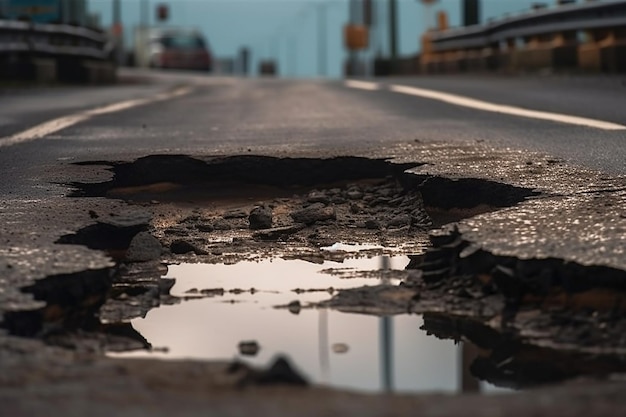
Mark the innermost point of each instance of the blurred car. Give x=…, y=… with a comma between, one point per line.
x=174, y=49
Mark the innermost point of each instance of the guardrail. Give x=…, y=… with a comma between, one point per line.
x=590, y=36
x=52, y=51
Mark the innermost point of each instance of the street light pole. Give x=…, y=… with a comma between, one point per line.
x=321, y=40
x=145, y=13
x=393, y=33
x=118, y=31
x=292, y=58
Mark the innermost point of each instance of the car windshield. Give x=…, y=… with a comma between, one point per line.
x=182, y=41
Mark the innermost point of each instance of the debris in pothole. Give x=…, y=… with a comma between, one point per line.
x=249, y=348
x=281, y=372
x=144, y=247
x=260, y=218
x=181, y=247
x=294, y=307
x=340, y=348
x=112, y=232
x=240, y=204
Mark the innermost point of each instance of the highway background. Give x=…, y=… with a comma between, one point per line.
x=289, y=30
x=236, y=115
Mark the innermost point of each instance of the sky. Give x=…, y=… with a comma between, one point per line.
x=287, y=30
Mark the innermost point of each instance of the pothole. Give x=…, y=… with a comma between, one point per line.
x=309, y=234
x=236, y=205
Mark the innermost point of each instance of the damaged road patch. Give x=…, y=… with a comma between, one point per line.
x=498, y=271
x=227, y=209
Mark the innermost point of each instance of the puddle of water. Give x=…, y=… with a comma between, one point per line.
x=278, y=281
x=342, y=350
x=347, y=247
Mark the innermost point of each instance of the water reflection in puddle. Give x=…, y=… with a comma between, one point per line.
x=329, y=347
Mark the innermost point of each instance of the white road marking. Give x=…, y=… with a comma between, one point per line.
x=55, y=125
x=362, y=85
x=499, y=108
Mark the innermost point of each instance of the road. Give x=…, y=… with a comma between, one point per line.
x=548, y=151
x=233, y=115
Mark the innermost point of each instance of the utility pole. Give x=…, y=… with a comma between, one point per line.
x=393, y=33
x=321, y=40
x=292, y=58
x=471, y=12
x=145, y=13
x=118, y=31
x=117, y=12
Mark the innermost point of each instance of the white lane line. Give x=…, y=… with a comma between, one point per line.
x=55, y=125
x=499, y=108
x=362, y=85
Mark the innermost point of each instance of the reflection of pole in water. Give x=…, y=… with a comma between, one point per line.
x=386, y=339
x=323, y=345
x=386, y=335
x=468, y=354
x=385, y=266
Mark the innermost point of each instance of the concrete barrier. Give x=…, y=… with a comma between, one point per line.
x=46, y=53
x=543, y=39
x=605, y=50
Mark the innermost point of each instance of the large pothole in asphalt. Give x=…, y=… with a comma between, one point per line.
x=267, y=232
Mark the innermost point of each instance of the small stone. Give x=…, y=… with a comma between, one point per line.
x=249, y=348
x=181, y=247
x=276, y=233
x=355, y=208
x=205, y=227
x=191, y=219
x=338, y=200
x=280, y=373
x=372, y=224
x=313, y=214
x=235, y=214
x=317, y=197
x=294, y=307
x=129, y=218
x=399, y=221
x=222, y=224
x=260, y=218
x=176, y=231
x=340, y=348
x=144, y=247
x=212, y=292
x=354, y=195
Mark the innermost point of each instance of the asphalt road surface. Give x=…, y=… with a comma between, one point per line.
x=564, y=136
x=228, y=115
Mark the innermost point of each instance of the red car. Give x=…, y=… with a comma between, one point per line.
x=180, y=50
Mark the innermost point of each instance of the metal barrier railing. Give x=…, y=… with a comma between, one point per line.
x=589, y=37
x=59, y=40
x=575, y=17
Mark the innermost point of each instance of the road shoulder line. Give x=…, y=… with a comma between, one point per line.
x=482, y=105
x=362, y=85
x=504, y=109
x=60, y=123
